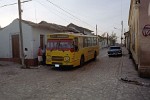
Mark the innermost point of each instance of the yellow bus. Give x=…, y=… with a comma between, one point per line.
x=71, y=49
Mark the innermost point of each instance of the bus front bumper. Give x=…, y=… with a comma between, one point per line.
x=57, y=65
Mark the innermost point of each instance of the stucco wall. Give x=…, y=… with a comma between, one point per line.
x=31, y=39
x=28, y=39
x=144, y=40
x=134, y=30
x=36, y=38
x=6, y=40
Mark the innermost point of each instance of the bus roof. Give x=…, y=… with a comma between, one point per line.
x=73, y=34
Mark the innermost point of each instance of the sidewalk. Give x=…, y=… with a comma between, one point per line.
x=129, y=72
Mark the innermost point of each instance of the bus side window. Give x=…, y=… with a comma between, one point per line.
x=76, y=44
x=85, y=42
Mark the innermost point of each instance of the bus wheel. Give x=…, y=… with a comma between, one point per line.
x=82, y=61
x=95, y=56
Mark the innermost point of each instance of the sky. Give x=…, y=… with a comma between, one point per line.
x=106, y=14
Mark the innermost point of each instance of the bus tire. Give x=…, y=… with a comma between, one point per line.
x=95, y=55
x=82, y=61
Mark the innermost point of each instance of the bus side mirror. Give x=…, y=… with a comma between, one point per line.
x=76, y=48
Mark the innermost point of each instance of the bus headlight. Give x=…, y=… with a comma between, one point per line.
x=66, y=59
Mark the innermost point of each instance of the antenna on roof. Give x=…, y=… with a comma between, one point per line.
x=96, y=29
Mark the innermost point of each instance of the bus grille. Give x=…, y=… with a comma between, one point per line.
x=57, y=58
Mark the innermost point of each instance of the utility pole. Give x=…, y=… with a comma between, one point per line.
x=21, y=35
x=107, y=39
x=121, y=32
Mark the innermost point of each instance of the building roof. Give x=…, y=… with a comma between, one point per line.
x=1, y=28
x=80, y=29
x=49, y=26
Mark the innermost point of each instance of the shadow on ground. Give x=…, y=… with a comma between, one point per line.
x=66, y=68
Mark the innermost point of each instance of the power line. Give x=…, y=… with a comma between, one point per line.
x=51, y=11
x=77, y=19
x=57, y=11
x=57, y=14
x=14, y=3
x=8, y=5
x=63, y=9
x=62, y=13
x=69, y=13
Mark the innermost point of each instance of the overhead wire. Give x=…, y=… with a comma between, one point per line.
x=84, y=17
x=8, y=5
x=66, y=14
x=69, y=13
x=75, y=18
x=14, y=3
x=61, y=13
x=51, y=10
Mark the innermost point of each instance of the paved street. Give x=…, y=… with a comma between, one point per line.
x=98, y=80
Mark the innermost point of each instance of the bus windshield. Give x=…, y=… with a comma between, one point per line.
x=61, y=44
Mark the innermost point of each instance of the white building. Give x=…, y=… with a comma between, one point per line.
x=34, y=35
x=104, y=42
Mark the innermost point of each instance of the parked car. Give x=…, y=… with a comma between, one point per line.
x=115, y=51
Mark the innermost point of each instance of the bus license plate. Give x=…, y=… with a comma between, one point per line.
x=56, y=65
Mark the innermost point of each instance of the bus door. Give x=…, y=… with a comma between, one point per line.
x=76, y=51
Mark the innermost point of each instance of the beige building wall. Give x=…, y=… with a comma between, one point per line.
x=133, y=25
x=139, y=17
x=144, y=40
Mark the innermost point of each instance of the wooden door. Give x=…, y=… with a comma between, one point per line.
x=15, y=46
x=42, y=41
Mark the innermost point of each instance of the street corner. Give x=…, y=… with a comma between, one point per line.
x=9, y=64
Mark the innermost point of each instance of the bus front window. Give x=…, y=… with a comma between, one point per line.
x=65, y=45
x=52, y=44
x=60, y=44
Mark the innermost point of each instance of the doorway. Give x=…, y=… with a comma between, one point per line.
x=42, y=41
x=15, y=46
